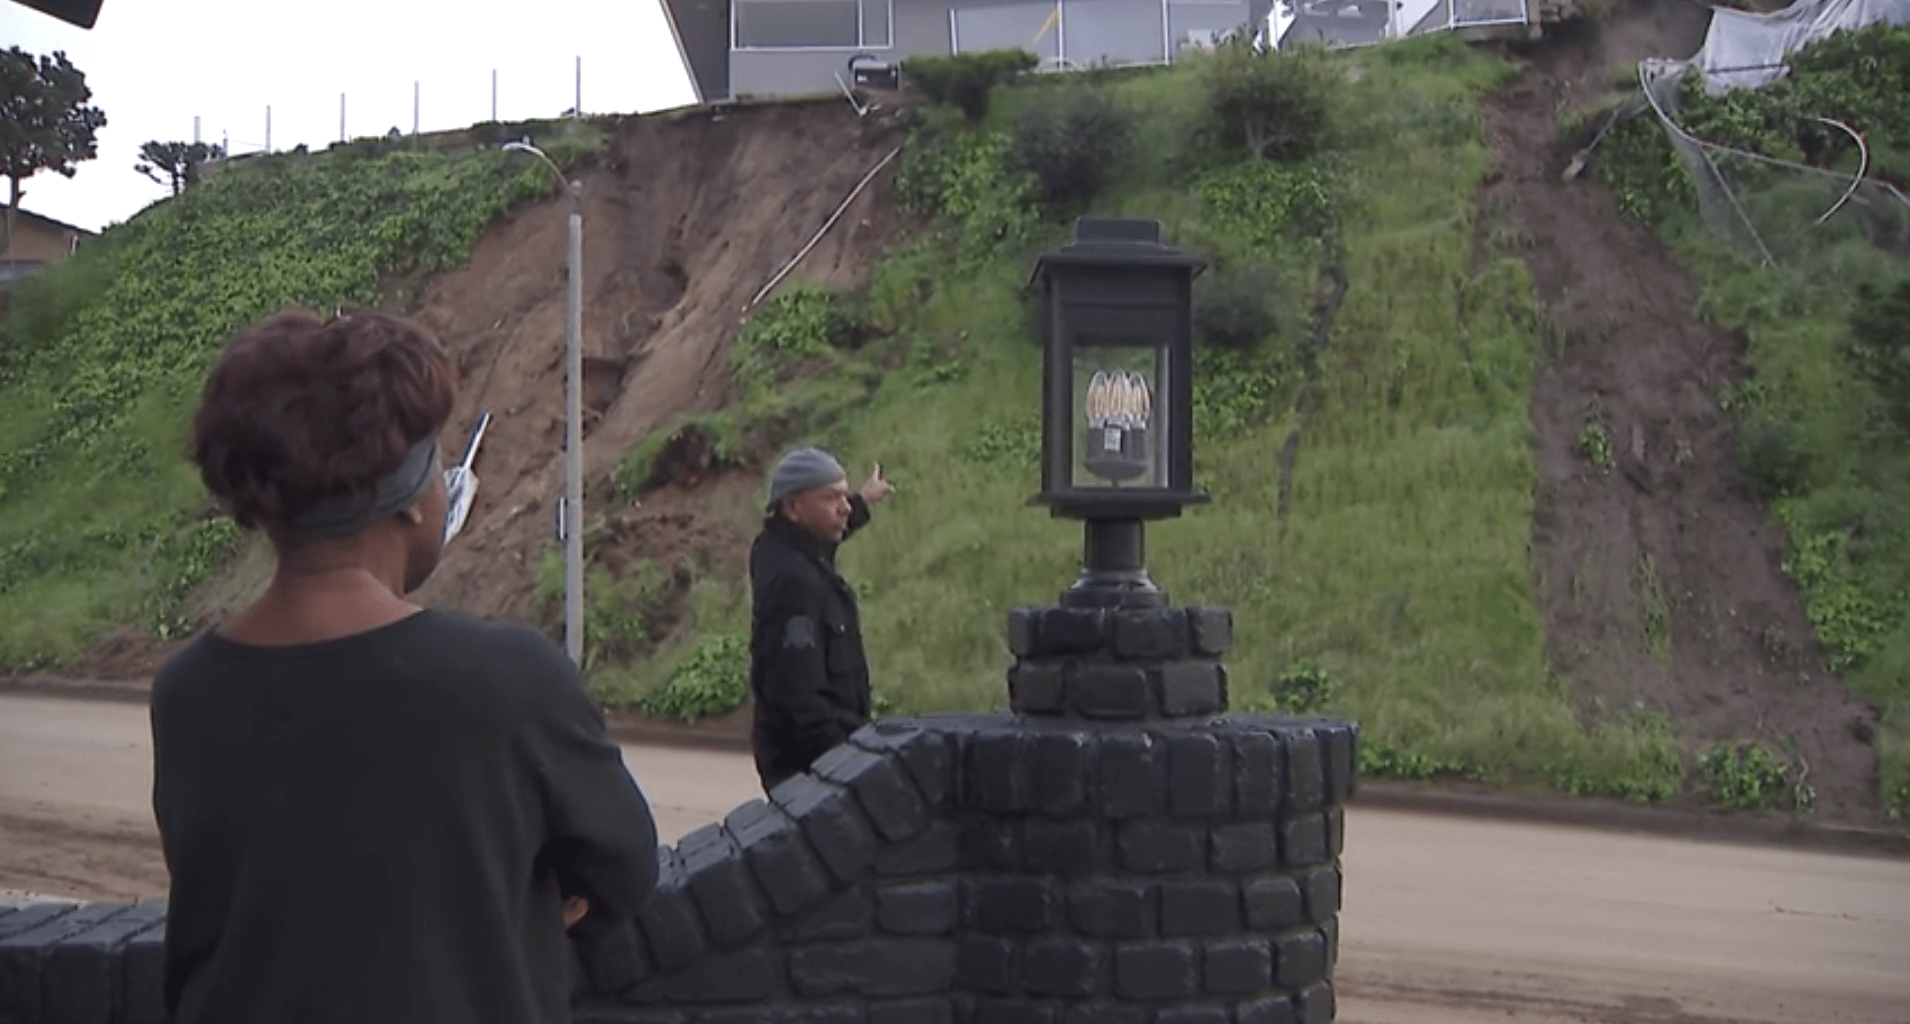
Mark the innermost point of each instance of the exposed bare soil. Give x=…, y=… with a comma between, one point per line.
x=1660, y=578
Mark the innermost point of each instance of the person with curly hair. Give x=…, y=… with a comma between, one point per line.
x=372, y=811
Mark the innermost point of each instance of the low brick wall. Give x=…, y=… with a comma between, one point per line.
x=1046, y=867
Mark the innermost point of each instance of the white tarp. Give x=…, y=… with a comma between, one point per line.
x=1743, y=49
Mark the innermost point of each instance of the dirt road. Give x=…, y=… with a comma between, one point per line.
x=1447, y=921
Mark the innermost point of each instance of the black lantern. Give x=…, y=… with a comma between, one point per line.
x=1117, y=398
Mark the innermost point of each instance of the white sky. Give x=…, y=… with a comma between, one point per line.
x=155, y=64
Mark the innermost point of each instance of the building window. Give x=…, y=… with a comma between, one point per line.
x=1034, y=27
x=812, y=24
x=1112, y=32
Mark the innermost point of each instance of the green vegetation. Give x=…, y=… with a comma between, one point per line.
x=101, y=521
x=1747, y=776
x=1825, y=428
x=1396, y=587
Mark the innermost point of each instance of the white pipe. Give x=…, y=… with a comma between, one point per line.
x=831, y=222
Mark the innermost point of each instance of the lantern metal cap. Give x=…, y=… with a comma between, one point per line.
x=1122, y=241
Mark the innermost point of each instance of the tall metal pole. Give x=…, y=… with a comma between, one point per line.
x=577, y=112
x=414, y=107
x=268, y=127
x=341, y=117
x=574, y=436
x=494, y=94
x=195, y=129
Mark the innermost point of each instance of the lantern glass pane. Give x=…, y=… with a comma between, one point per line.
x=1118, y=418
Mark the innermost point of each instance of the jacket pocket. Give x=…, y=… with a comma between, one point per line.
x=844, y=652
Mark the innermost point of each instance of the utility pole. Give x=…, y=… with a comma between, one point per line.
x=493, y=95
x=577, y=112
x=414, y=108
x=268, y=127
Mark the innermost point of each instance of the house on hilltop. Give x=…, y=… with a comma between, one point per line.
x=36, y=242
x=739, y=49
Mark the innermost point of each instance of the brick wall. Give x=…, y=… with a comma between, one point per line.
x=1044, y=867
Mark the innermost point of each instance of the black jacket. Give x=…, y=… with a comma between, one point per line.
x=808, y=673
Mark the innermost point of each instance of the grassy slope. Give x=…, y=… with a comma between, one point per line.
x=1402, y=570
x=101, y=521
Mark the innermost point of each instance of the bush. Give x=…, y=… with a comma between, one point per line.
x=1773, y=458
x=1273, y=106
x=1235, y=310
x=1071, y=140
x=1744, y=776
x=964, y=80
x=713, y=680
x=1879, y=345
x=805, y=322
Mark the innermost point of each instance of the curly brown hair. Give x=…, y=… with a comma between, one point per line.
x=301, y=409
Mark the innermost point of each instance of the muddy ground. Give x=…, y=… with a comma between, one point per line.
x=1660, y=580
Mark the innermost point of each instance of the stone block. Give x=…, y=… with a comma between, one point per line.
x=936, y=850
x=1156, y=845
x=1112, y=909
x=1192, y=688
x=1067, y=632
x=1037, y=687
x=1306, y=776
x=741, y=976
x=1104, y=1013
x=1007, y=906
x=81, y=980
x=1237, y=967
x=916, y=908
x=991, y=845
x=998, y=780
x=882, y=785
x=1202, y=907
x=1110, y=691
x=1330, y=934
x=1270, y=1010
x=719, y=882
x=1339, y=754
x=1195, y=1015
x=1315, y=1004
x=836, y=1013
x=1244, y=847
x=1061, y=847
x=1299, y=959
x=143, y=974
x=832, y=823
x=890, y=967
x=669, y=919
x=1061, y=967
x=615, y=960
x=987, y=965
x=1132, y=775
x=1149, y=634
x=1322, y=890
x=1273, y=904
x=1155, y=970
x=1013, y=1011
x=848, y=914
x=1024, y=632
x=926, y=753
x=1303, y=840
x=790, y=874
x=1335, y=832
x=1199, y=775
x=1259, y=773
x=934, y=1010
x=1062, y=764
x=1211, y=631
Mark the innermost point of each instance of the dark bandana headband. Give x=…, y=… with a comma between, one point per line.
x=346, y=515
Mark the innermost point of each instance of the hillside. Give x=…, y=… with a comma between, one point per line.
x=1476, y=458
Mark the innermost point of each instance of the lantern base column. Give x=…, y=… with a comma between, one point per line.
x=1114, y=568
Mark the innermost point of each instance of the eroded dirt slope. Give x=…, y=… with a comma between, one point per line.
x=1660, y=581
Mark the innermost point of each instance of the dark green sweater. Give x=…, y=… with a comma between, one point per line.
x=372, y=829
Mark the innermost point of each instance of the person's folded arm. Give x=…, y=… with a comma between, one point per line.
x=603, y=836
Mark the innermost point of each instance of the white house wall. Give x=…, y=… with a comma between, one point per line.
x=1086, y=32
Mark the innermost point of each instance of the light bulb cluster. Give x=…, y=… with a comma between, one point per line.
x=1118, y=399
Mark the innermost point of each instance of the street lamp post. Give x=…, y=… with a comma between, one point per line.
x=571, y=512
x=1117, y=398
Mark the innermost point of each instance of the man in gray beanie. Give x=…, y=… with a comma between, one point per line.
x=808, y=673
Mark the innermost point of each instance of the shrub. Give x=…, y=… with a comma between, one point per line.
x=713, y=680
x=1071, y=140
x=1744, y=776
x=965, y=79
x=1235, y=310
x=805, y=322
x=1773, y=458
x=1879, y=345
x=1273, y=106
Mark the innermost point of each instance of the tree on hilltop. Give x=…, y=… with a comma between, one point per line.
x=176, y=164
x=45, y=122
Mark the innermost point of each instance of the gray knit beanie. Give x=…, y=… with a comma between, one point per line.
x=800, y=470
